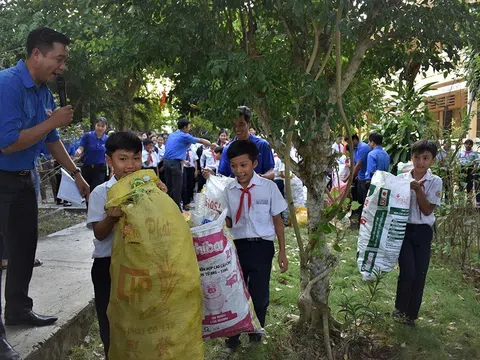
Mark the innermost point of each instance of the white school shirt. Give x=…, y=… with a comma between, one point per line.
x=96, y=213
x=467, y=157
x=432, y=187
x=279, y=167
x=208, y=160
x=191, y=157
x=267, y=201
x=338, y=148
x=161, y=152
x=154, y=162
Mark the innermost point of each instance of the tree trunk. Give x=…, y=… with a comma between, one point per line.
x=313, y=300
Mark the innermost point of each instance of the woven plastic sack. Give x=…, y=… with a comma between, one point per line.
x=383, y=224
x=227, y=305
x=155, y=308
x=301, y=213
x=214, y=191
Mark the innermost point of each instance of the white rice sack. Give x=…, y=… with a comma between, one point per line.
x=383, y=224
x=215, y=195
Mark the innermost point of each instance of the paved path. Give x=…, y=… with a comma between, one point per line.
x=61, y=287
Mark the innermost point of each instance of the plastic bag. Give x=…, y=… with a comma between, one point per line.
x=227, y=306
x=155, y=304
x=214, y=192
x=383, y=224
x=404, y=167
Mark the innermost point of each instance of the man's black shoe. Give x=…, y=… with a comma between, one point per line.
x=7, y=352
x=30, y=318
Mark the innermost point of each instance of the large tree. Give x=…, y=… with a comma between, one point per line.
x=298, y=62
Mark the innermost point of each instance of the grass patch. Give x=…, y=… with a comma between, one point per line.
x=447, y=329
x=57, y=222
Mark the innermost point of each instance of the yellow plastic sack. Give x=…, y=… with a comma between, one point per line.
x=301, y=213
x=155, y=309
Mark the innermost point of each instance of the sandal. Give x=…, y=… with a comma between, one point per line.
x=37, y=263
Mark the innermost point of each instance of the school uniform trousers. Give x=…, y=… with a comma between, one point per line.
x=256, y=256
x=413, y=262
x=101, y=287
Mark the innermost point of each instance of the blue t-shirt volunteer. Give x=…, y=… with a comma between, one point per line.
x=177, y=145
x=265, y=158
x=23, y=105
x=377, y=159
x=361, y=154
x=93, y=148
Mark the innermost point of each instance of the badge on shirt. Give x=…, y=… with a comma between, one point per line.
x=261, y=202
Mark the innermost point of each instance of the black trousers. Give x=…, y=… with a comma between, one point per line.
x=413, y=261
x=281, y=186
x=362, y=190
x=256, y=262
x=201, y=181
x=101, y=287
x=19, y=235
x=188, y=185
x=94, y=175
x=174, y=179
x=472, y=180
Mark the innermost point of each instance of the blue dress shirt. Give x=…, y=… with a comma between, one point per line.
x=361, y=154
x=265, y=158
x=93, y=148
x=377, y=159
x=177, y=145
x=23, y=105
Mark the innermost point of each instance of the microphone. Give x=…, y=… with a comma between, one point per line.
x=62, y=94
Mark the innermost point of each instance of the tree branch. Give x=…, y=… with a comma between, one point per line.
x=285, y=24
x=315, y=48
x=327, y=56
x=288, y=188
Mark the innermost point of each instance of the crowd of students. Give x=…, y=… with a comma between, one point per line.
x=254, y=202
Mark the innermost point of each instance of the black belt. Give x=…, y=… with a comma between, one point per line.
x=17, y=173
x=250, y=239
x=93, y=166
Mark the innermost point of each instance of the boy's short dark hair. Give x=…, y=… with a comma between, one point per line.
x=376, y=138
x=468, y=141
x=245, y=112
x=147, y=142
x=182, y=122
x=43, y=39
x=243, y=147
x=123, y=140
x=355, y=137
x=219, y=150
x=422, y=146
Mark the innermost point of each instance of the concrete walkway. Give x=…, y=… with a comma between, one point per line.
x=61, y=287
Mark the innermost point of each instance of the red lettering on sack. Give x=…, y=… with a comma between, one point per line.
x=138, y=282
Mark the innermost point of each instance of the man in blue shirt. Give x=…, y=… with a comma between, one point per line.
x=27, y=119
x=377, y=159
x=360, y=154
x=175, y=151
x=266, y=162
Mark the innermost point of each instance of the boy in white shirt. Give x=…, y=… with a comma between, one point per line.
x=254, y=216
x=124, y=155
x=149, y=156
x=415, y=253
